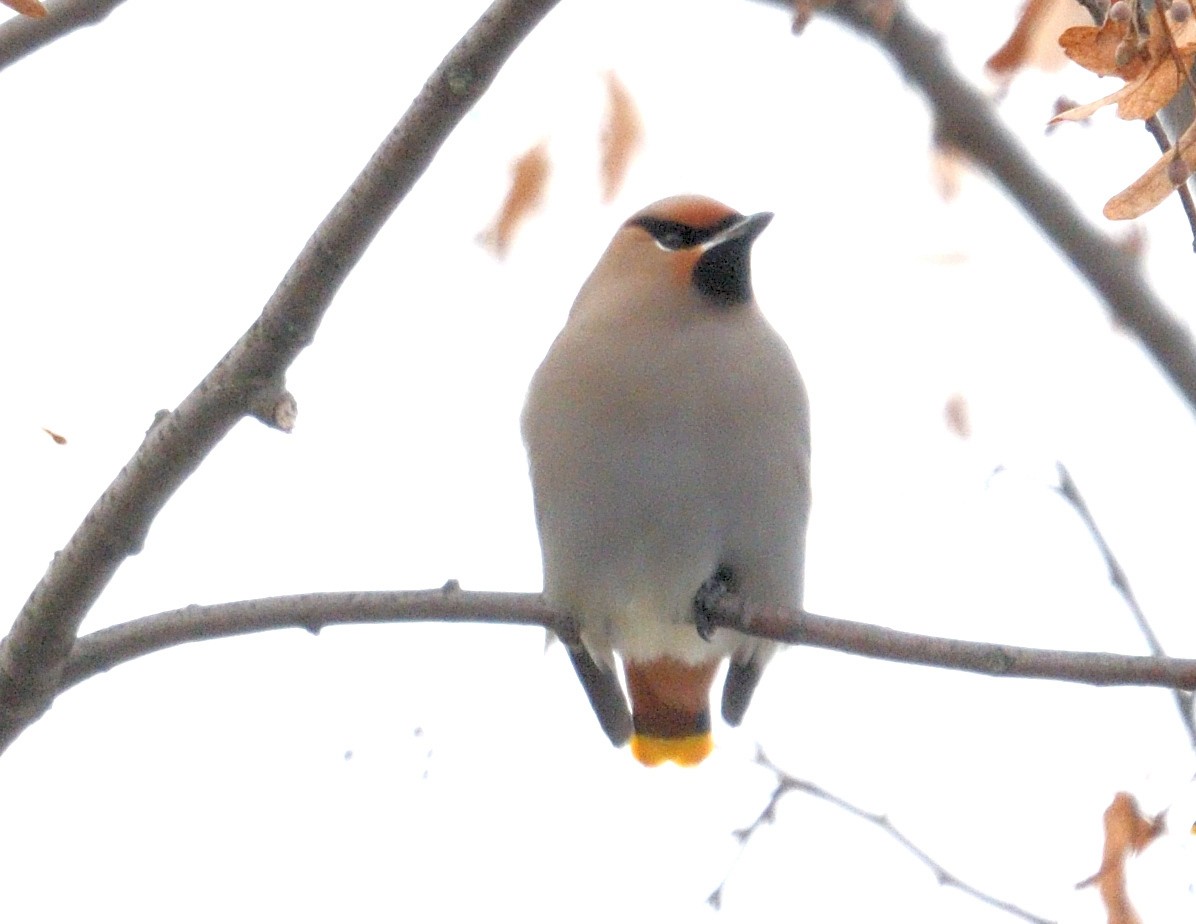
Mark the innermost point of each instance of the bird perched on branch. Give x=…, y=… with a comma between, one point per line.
x=668, y=438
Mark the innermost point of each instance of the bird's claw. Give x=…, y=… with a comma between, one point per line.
x=706, y=600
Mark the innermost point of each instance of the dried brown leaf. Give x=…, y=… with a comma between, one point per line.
x=1152, y=73
x=1061, y=105
x=1094, y=48
x=529, y=178
x=56, y=437
x=1127, y=831
x=958, y=417
x=1034, y=40
x=1133, y=241
x=27, y=7
x=1154, y=90
x=947, y=165
x=622, y=135
x=1156, y=184
x=804, y=10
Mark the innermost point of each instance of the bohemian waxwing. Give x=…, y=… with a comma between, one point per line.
x=668, y=438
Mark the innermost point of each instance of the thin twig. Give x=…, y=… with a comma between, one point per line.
x=107, y=648
x=1155, y=126
x=1097, y=9
x=787, y=784
x=250, y=376
x=1070, y=492
x=1183, y=71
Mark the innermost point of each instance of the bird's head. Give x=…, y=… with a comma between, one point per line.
x=683, y=251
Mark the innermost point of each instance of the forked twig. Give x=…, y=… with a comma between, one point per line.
x=787, y=783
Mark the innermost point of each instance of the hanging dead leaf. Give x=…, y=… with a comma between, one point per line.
x=1157, y=183
x=958, y=417
x=804, y=10
x=27, y=8
x=1034, y=41
x=622, y=135
x=56, y=437
x=1133, y=241
x=947, y=165
x=1094, y=48
x=529, y=177
x=880, y=12
x=1152, y=70
x=1062, y=104
x=1127, y=831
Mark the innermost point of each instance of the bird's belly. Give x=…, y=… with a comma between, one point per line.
x=629, y=551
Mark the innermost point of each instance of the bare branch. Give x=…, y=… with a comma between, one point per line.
x=1118, y=578
x=966, y=119
x=796, y=627
x=106, y=648
x=22, y=36
x=33, y=653
x=787, y=784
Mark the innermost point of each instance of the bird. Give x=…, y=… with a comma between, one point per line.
x=668, y=441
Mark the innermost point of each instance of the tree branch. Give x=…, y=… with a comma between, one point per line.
x=21, y=36
x=796, y=627
x=787, y=784
x=250, y=376
x=966, y=119
x=104, y=649
x=1070, y=492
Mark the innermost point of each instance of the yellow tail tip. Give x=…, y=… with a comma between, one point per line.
x=687, y=751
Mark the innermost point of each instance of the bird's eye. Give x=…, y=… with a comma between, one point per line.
x=670, y=235
x=672, y=239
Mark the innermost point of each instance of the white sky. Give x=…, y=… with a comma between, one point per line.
x=163, y=171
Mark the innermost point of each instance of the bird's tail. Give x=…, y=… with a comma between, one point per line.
x=670, y=710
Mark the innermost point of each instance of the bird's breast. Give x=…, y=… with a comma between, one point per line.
x=649, y=454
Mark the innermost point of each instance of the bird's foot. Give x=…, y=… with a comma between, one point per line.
x=706, y=600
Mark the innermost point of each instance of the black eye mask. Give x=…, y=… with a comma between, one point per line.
x=675, y=235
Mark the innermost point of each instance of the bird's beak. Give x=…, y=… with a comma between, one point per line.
x=746, y=230
x=723, y=270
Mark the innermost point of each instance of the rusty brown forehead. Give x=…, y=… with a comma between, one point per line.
x=697, y=213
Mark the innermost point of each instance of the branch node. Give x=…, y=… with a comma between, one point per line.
x=998, y=661
x=459, y=80
x=274, y=406
x=159, y=417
